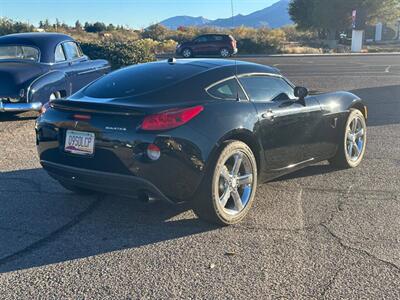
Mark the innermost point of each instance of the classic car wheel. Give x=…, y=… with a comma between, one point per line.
x=354, y=138
x=224, y=53
x=228, y=190
x=187, y=53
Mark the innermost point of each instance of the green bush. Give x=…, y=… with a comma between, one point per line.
x=119, y=54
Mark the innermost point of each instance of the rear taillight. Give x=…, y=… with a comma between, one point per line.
x=233, y=44
x=80, y=117
x=171, y=118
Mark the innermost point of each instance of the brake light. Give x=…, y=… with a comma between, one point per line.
x=171, y=118
x=81, y=117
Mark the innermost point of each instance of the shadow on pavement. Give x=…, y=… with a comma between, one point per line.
x=309, y=171
x=14, y=117
x=47, y=224
x=383, y=104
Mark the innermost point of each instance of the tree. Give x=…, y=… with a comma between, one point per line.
x=78, y=25
x=96, y=27
x=156, y=32
x=111, y=27
x=330, y=16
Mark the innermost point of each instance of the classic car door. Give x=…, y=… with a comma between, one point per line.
x=286, y=127
x=80, y=70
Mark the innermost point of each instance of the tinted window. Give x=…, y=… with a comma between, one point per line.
x=72, y=50
x=59, y=54
x=228, y=90
x=218, y=38
x=267, y=88
x=202, y=39
x=140, y=79
x=19, y=53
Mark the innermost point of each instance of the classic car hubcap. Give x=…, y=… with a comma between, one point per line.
x=235, y=183
x=355, y=139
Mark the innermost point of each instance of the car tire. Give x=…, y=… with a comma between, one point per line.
x=75, y=189
x=187, y=53
x=224, y=53
x=229, y=186
x=353, y=142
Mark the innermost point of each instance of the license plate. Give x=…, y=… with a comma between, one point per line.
x=79, y=142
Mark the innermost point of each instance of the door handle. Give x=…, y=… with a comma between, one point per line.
x=269, y=115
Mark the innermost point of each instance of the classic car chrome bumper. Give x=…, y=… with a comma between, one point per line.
x=16, y=107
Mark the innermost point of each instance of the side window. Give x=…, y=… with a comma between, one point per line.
x=201, y=39
x=218, y=38
x=267, y=88
x=59, y=54
x=227, y=90
x=72, y=50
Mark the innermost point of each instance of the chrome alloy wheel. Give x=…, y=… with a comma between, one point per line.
x=235, y=184
x=224, y=52
x=187, y=53
x=355, y=139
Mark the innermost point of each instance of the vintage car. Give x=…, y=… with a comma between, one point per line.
x=38, y=67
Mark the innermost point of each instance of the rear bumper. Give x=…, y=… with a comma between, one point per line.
x=102, y=181
x=20, y=107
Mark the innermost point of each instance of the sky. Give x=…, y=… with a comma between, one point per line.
x=133, y=13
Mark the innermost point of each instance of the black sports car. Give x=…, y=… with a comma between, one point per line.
x=205, y=131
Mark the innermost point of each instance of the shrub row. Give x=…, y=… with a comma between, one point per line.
x=119, y=54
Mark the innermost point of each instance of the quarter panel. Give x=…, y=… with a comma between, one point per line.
x=42, y=87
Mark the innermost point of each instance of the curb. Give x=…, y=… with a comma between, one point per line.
x=166, y=56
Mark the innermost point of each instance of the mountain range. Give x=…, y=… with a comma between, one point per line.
x=274, y=16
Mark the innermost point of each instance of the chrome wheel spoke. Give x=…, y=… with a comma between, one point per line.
x=354, y=125
x=245, y=179
x=224, y=199
x=237, y=200
x=360, y=133
x=237, y=164
x=350, y=149
x=225, y=173
x=356, y=150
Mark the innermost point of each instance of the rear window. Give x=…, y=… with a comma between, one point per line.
x=141, y=79
x=19, y=53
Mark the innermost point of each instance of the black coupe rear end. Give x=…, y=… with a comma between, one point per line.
x=189, y=131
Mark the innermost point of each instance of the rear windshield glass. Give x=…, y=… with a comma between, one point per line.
x=140, y=79
x=19, y=53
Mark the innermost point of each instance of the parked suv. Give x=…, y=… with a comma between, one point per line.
x=209, y=44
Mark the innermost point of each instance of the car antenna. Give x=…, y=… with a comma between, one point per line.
x=233, y=27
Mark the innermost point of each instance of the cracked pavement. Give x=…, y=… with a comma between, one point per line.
x=319, y=233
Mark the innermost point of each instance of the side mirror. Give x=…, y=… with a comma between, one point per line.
x=300, y=92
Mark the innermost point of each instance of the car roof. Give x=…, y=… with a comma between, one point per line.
x=166, y=75
x=46, y=42
x=237, y=66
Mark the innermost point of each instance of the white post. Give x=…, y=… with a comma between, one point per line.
x=398, y=29
x=357, y=40
x=378, y=32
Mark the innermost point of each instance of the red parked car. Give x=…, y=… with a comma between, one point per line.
x=209, y=44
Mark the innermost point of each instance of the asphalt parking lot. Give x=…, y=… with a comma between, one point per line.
x=317, y=234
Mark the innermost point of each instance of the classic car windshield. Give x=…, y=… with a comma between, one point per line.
x=15, y=52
